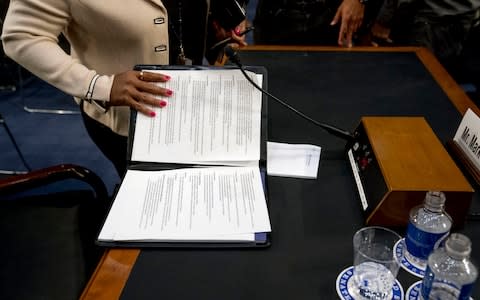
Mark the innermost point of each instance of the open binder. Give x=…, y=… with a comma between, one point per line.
x=211, y=192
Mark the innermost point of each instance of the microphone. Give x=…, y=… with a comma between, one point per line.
x=340, y=133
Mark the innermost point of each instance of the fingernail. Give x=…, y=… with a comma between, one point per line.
x=169, y=92
x=152, y=114
x=237, y=30
x=163, y=103
x=166, y=77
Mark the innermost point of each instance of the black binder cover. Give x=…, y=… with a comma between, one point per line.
x=262, y=239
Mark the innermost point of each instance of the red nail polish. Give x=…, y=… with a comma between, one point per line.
x=169, y=92
x=163, y=103
x=166, y=77
x=152, y=114
x=237, y=30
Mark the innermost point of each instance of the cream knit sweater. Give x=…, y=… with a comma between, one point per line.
x=106, y=37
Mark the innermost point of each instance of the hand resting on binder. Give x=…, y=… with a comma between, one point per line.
x=137, y=89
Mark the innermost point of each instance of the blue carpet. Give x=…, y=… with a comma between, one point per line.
x=48, y=139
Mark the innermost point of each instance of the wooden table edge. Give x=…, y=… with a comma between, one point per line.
x=455, y=93
x=111, y=274
x=112, y=271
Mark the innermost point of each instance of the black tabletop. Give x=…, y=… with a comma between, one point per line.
x=313, y=221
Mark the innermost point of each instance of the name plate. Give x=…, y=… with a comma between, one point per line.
x=468, y=137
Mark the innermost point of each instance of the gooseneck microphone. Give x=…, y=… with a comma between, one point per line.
x=343, y=134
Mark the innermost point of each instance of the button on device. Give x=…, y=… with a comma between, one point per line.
x=363, y=163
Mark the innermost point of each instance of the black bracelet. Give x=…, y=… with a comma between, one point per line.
x=102, y=105
x=91, y=87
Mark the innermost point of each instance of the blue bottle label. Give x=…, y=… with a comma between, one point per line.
x=427, y=283
x=421, y=243
x=436, y=287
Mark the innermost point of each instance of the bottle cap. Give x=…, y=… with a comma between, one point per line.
x=458, y=246
x=435, y=200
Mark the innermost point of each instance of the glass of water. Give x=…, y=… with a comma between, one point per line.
x=374, y=262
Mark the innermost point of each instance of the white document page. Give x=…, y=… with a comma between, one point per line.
x=217, y=203
x=214, y=116
x=292, y=160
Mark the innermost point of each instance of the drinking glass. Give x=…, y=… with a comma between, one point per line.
x=375, y=266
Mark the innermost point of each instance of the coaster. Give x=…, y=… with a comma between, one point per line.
x=411, y=266
x=413, y=292
x=347, y=274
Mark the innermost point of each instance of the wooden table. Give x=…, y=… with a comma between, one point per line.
x=114, y=268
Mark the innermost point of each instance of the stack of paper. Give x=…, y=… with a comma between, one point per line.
x=213, y=118
x=192, y=204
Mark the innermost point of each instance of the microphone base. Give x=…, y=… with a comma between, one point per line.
x=395, y=161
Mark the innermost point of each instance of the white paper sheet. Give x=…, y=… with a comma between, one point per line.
x=191, y=204
x=292, y=160
x=213, y=116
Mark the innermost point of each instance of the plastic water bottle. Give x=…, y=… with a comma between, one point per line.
x=450, y=274
x=428, y=226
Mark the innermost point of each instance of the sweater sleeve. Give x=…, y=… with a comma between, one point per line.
x=30, y=37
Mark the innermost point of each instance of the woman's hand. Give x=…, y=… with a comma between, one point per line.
x=234, y=38
x=350, y=13
x=231, y=37
x=138, y=90
x=237, y=37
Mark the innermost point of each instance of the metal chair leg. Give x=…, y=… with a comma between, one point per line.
x=50, y=111
x=8, y=87
x=40, y=110
x=22, y=158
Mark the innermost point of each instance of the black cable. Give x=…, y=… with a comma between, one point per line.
x=178, y=34
x=343, y=134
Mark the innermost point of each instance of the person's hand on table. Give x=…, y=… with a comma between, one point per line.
x=137, y=89
x=350, y=13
